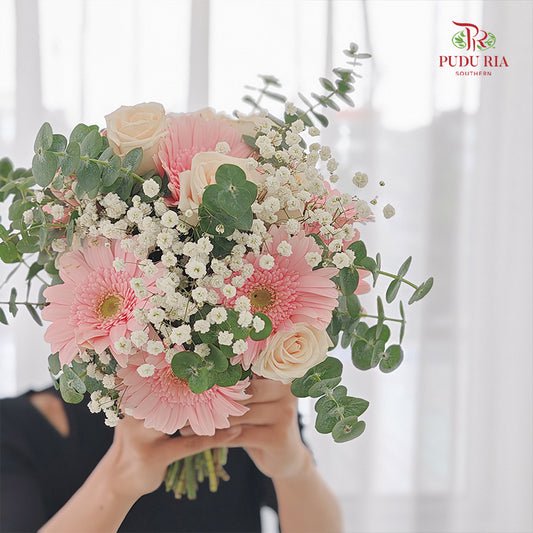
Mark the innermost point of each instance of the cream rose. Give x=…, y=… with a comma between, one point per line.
x=203, y=169
x=141, y=125
x=290, y=354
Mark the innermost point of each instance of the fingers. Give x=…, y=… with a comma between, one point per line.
x=177, y=448
x=267, y=413
x=265, y=390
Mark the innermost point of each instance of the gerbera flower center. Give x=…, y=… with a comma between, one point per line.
x=261, y=298
x=110, y=306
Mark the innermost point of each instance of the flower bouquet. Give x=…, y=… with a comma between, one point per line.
x=187, y=252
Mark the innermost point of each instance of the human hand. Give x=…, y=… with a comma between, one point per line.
x=270, y=432
x=138, y=458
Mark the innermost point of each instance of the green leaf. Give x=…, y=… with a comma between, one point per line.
x=381, y=317
x=219, y=360
x=59, y=143
x=362, y=355
x=9, y=253
x=229, y=377
x=3, y=318
x=348, y=429
x=402, y=328
x=337, y=393
x=53, y=363
x=44, y=138
x=12, y=299
x=71, y=386
x=321, y=118
x=200, y=381
x=91, y=145
x=28, y=245
x=111, y=172
x=359, y=250
x=329, y=368
x=353, y=406
x=349, y=279
x=79, y=133
x=186, y=363
x=44, y=167
x=6, y=167
x=346, y=99
x=354, y=306
x=374, y=333
x=421, y=291
x=34, y=314
x=327, y=419
x=125, y=186
x=392, y=358
x=323, y=386
x=405, y=267
x=88, y=175
x=328, y=85
x=265, y=332
x=392, y=290
x=275, y=96
x=133, y=159
x=71, y=161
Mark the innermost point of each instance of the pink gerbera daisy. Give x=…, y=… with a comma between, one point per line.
x=289, y=292
x=166, y=403
x=94, y=305
x=189, y=135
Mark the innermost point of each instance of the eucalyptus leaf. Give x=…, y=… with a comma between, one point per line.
x=3, y=318
x=421, y=291
x=348, y=429
x=338, y=392
x=44, y=167
x=265, y=332
x=71, y=161
x=68, y=392
x=59, y=143
x=391, y=359
x=392, y=290
x=133, y=159
x=54, y=364
x=44, y=138
x=34, y=314
x=362, y=355
x=323, y=386
x=405, y=267
x=349, y=279
x=229, y=377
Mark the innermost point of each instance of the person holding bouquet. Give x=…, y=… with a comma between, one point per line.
x=118, y=494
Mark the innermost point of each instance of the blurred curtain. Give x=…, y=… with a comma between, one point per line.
x=448, y=444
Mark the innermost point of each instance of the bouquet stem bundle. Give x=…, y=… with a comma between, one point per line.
x=183, y=476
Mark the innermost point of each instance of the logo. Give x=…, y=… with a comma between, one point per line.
x=476, y=45
x=472, y=38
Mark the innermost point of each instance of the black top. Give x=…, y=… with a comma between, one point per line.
x=40, y=470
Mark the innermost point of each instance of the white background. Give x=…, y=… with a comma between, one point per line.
x=448, y=445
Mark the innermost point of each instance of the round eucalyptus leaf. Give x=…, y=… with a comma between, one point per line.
x=348, y=429
x=44, y=138
x=265, y=332
x=185, y=364
x=322, y=387
x=229, y=377
x=353, y=406
x=200, y=380
x=362, y=355
x=391, y=359
x=327, y=420
x=44, y=167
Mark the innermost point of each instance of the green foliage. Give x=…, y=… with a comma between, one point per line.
x=226, y=204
